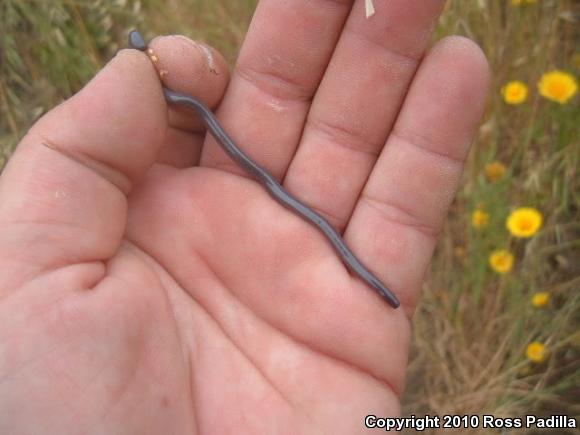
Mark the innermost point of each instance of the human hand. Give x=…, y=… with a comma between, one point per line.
x=148, y=286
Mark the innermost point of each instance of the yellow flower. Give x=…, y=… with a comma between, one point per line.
x=540, y=299
x=501, y=261
x=524, y=222
x=536, y=352
x=558, y=86
x=495, y=171
x=479, y=218
x=515, y=92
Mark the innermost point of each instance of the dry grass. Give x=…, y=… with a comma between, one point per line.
x=473, y=325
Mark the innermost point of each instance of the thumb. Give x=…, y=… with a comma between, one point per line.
x=63, y=193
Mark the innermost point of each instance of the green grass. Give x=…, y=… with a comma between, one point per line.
x=473, y=325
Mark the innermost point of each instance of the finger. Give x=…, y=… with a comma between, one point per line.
x=357, y=103
x=280, y=66
x=402, y=207
x=194, y=68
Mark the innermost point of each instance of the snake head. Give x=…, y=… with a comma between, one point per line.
x=136, y=41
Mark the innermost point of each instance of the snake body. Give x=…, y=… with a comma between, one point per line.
x=271, y=184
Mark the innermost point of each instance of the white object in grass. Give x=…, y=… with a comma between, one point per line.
x=370, y=8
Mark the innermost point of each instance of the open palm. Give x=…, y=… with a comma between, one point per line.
x=149, y=286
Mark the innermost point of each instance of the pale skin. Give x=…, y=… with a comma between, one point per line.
x=148, y=286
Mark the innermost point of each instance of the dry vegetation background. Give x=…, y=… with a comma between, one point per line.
x=473, y=330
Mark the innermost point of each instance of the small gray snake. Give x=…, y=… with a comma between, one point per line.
x=272, y=185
